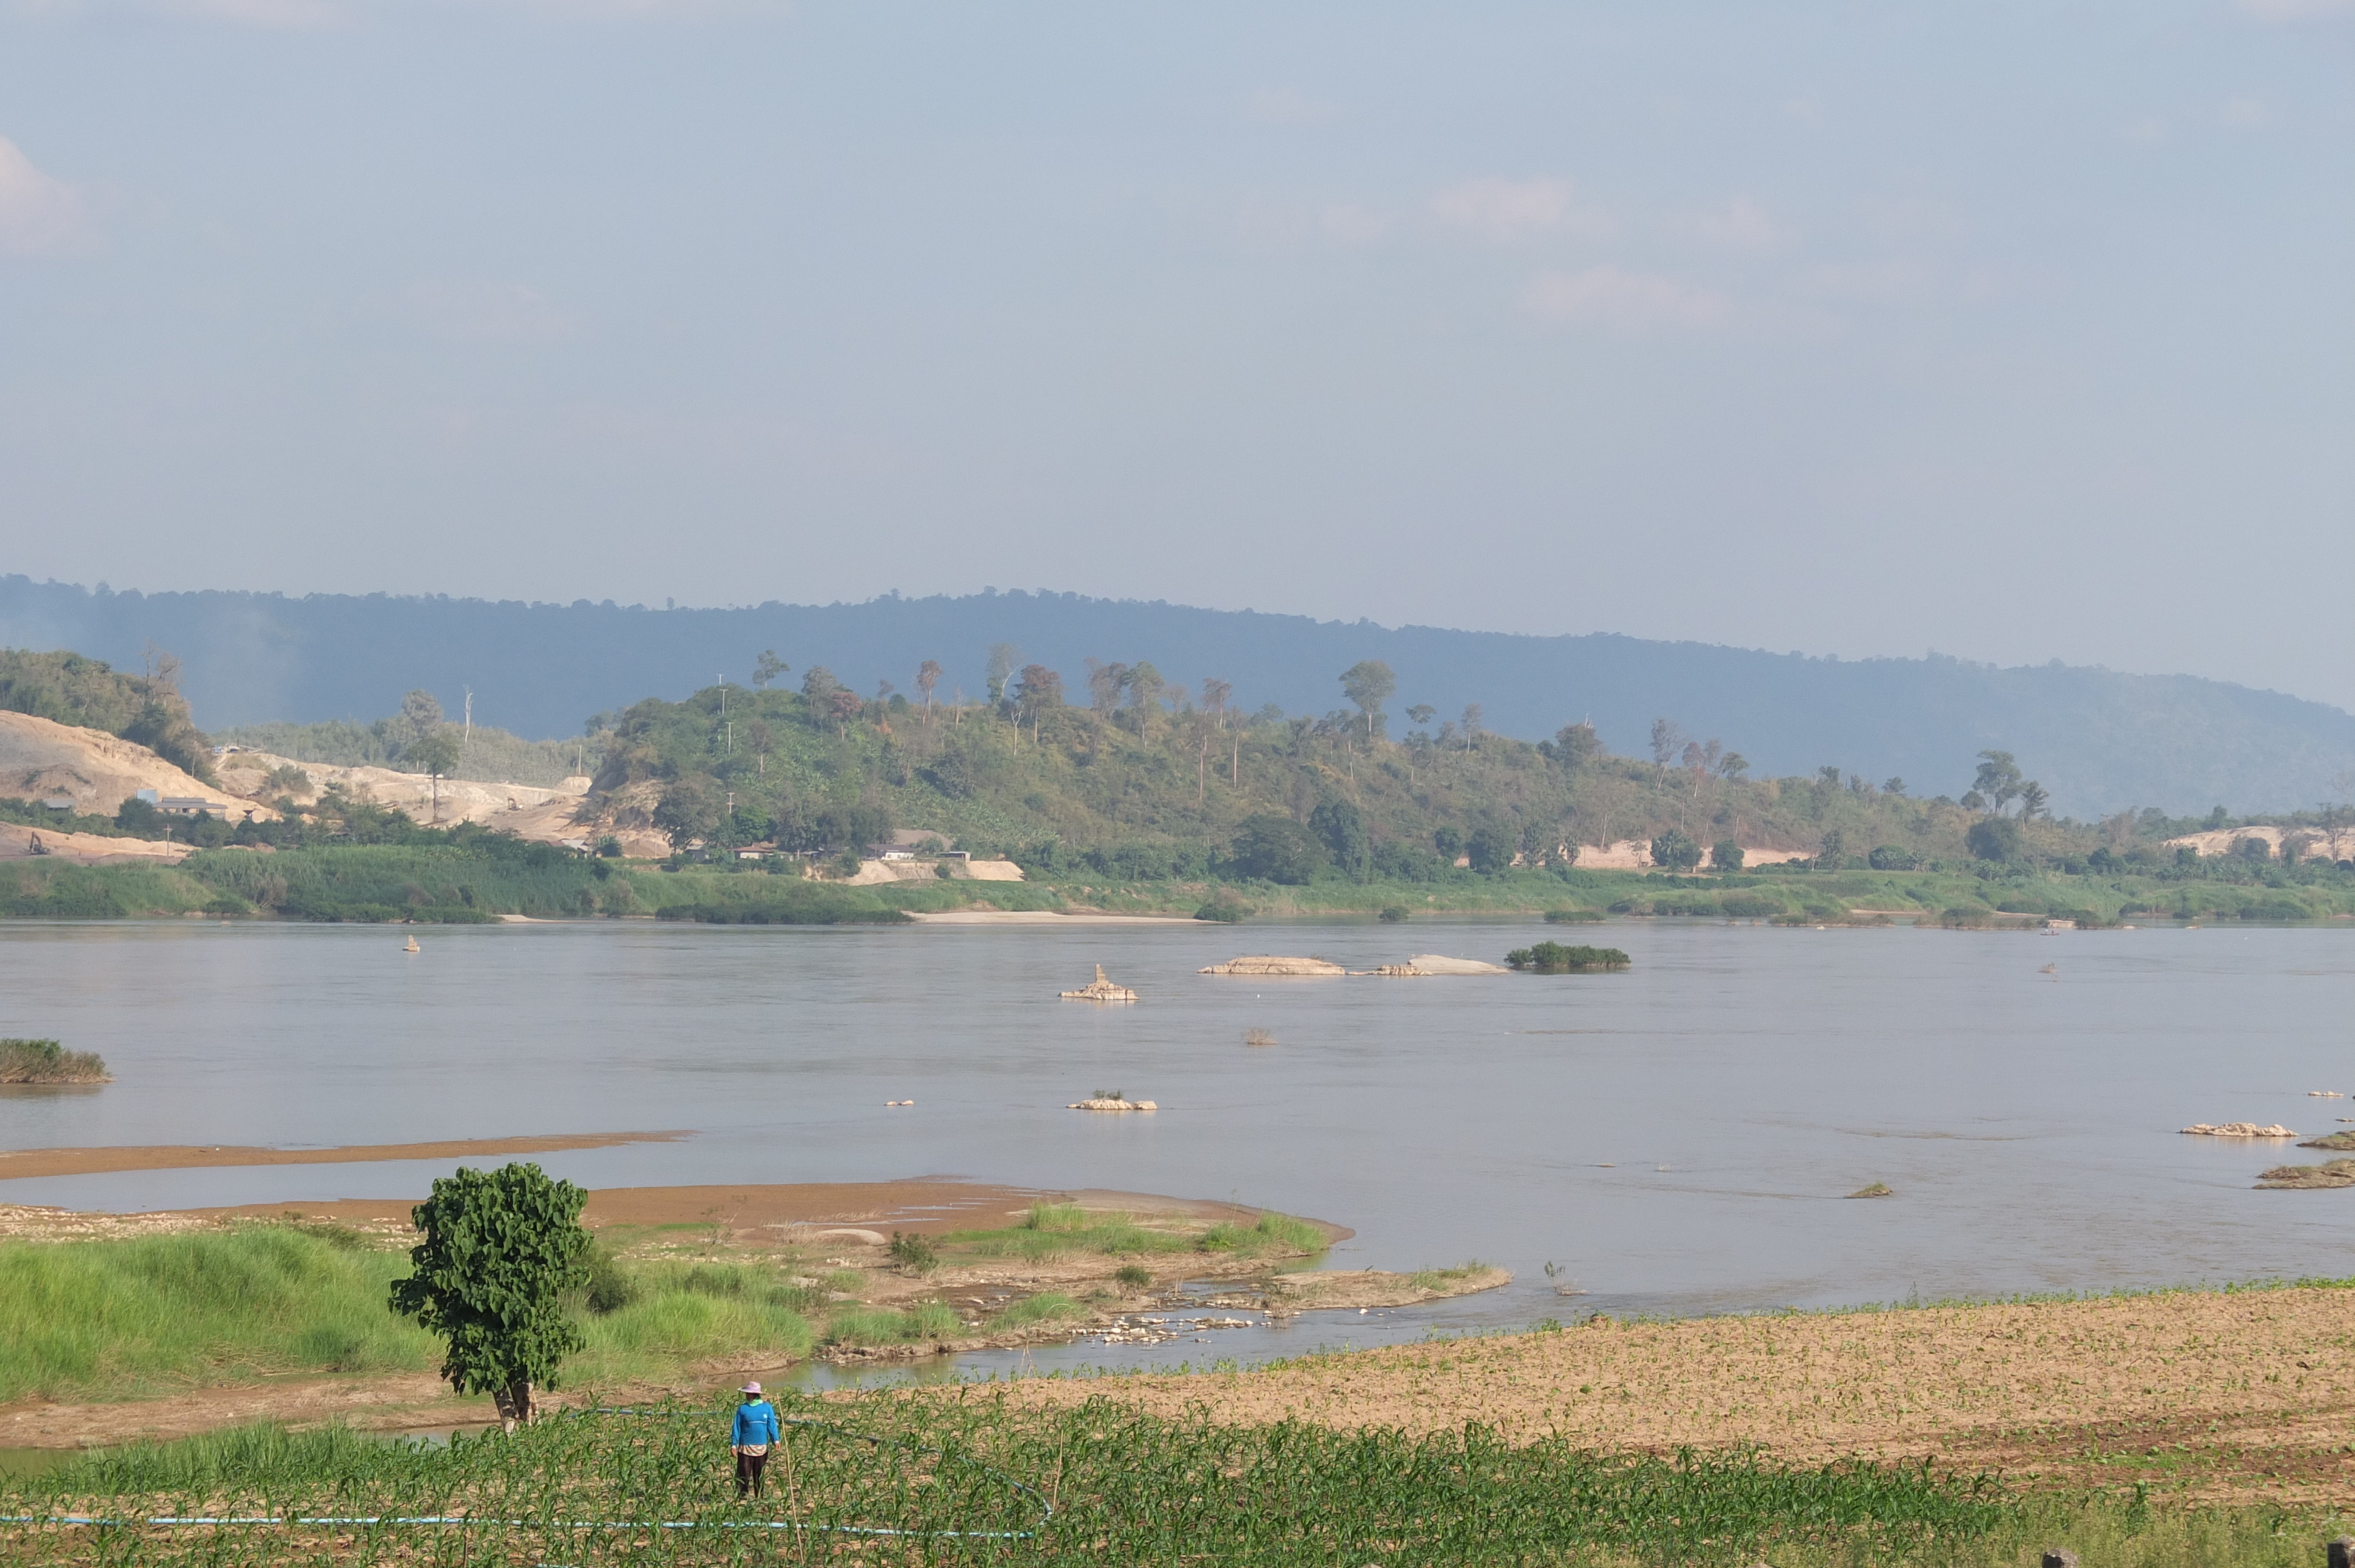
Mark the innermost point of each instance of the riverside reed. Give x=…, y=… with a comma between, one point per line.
x=147, y=1315
x=155, y=1314
x=972, y=1474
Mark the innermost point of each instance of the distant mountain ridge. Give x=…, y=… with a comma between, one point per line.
x=2099, y=740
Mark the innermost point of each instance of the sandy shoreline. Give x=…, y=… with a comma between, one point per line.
x=1044, y=917
x=21, y=1164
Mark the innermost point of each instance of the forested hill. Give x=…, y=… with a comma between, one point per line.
x=2100, y=740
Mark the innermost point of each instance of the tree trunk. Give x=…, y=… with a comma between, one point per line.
x=515, y=1406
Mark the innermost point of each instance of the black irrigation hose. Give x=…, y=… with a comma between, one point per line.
x=1046, y=1517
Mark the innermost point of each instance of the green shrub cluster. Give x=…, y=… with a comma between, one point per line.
x=47, y=1062
x=1554, y=958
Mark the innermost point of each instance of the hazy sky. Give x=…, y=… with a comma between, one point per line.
x=2020, y=331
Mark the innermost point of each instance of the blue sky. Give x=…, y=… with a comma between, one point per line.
x=2017, y=331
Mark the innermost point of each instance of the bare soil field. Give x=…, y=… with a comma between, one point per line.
x=2221, y=1396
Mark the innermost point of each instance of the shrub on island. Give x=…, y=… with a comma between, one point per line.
x=1554, y=959
x=47, y=1062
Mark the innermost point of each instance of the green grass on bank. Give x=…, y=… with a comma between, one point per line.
x=1063, y=1230
x=453, y=883
x=121, y=1317
x=970, y=1475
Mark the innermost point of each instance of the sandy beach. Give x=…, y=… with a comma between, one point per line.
x=20, y=1164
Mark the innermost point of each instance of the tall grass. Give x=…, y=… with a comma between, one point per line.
x=122, y=1318
x=1061, y=1230
x=128, y=1317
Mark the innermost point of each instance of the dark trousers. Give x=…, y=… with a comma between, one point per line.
x=748, y=1473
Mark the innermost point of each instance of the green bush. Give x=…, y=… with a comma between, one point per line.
x=1554, y=959
x=47, y=1062
x=1572, y=916
x=914, y=1252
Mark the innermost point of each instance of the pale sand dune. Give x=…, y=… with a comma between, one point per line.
x=98, y=771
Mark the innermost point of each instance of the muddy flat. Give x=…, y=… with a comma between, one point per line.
x=23, y=1163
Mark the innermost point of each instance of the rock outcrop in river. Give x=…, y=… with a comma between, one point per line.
x=1270, y=964
x=1100, y=990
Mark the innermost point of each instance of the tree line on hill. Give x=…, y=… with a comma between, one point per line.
x=1122, y=774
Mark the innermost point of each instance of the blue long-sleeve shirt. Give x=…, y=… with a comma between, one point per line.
x=756, y=1421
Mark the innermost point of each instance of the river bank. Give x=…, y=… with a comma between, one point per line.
x=172, y=1322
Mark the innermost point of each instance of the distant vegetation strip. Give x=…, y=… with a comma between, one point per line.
x=441, y=882
x=826, y=910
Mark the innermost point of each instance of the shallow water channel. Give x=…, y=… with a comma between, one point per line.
x=1677, y=1138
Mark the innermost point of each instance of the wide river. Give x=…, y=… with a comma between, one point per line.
x=1676, y=1139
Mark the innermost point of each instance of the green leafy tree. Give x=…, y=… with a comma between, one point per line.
x=1039, y=691
x=1574, y=745
x=818, y=684
x=420, y=714
x=435, y=755
x=1369, y=684
x=1999, y=779
x=501, y=1251
x=767, y=668
x=1675, y=851
x=1002, y=656
x=1828, y=855
x=1892, y=857
x=1490, y=851
x=689, y=810
x=1276, y=849
x=1995, y=838
x=1725, y=855
x=1105, y=682
x=1342, y=827
x=2033, y=801
x=928, y=675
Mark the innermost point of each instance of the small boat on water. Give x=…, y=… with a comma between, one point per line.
x=413, y=946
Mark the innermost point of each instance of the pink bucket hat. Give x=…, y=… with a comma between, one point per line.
x=749, y=1388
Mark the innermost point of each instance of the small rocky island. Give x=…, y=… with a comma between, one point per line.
x=1273, y=964
x=1111, y=1101
x=1100, y=990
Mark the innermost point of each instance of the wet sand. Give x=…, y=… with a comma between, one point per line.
x=24, y=1164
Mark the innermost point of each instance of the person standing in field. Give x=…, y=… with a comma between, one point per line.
x=756, y=1428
